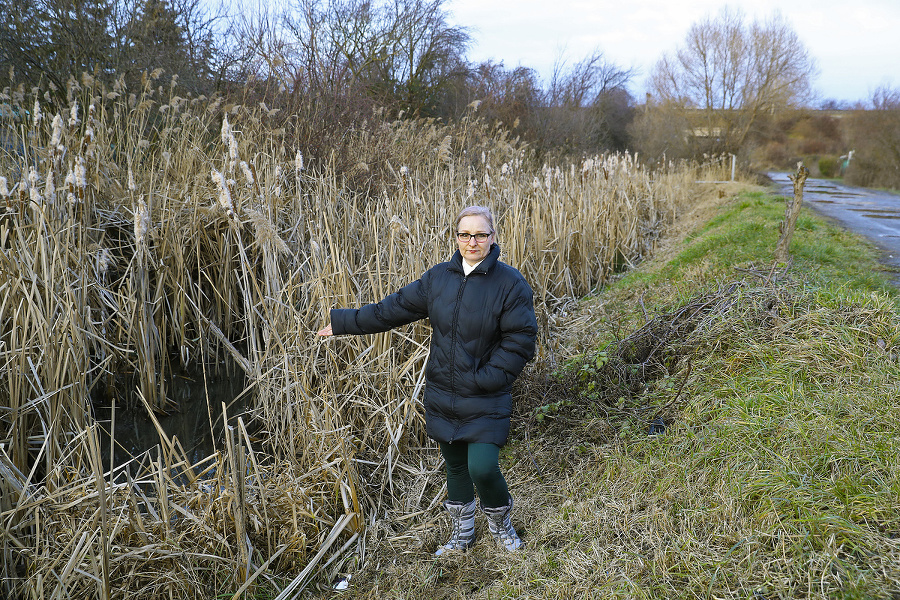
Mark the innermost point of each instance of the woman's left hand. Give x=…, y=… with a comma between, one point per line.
x=326, y=331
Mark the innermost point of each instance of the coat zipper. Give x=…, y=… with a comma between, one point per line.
x=453, y=326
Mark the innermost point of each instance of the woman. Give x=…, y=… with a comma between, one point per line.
x=483, y=332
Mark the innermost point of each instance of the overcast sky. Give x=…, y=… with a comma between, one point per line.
x=856, y=43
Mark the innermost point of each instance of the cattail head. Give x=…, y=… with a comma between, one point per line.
x=404, y=170
x=270, y=112
x=298, y=162
x=104, y=261
x=37, y=113
x=248, y=174
x=229, y=140
x=4, y=190
x=32, y=186
x=226, y=130
x=397, y=225
x=224, y=193
x=73, y=115
x=56, y=136
x=50, y=187
x=131, y=185
x=141, y=225
x=266, y=234
x=80, y=173
x=443, y=151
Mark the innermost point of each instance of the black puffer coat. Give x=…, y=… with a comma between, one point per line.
x=483, y=333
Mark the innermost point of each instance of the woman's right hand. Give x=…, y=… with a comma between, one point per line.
x=325, y=331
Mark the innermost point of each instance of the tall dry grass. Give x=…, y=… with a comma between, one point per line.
x=141, y=229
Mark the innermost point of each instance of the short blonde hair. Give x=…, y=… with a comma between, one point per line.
x=476, y=211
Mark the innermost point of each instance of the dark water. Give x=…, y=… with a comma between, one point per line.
x=194, y=415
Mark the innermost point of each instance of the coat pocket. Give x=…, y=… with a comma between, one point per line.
x=490, y=379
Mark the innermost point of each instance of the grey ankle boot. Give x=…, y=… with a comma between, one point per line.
x=500, y=526
x=462, y=532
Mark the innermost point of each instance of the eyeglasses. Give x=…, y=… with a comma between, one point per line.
x=479, y=237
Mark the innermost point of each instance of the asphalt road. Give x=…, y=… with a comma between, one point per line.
x=871, y=213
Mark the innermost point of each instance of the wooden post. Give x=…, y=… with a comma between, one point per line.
x=792, y=211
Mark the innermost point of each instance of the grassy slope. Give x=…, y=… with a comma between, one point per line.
x=779, y=474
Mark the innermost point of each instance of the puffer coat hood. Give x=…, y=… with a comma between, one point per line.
x=483, y=334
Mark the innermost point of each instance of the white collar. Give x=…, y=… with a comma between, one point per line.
x=468, y=269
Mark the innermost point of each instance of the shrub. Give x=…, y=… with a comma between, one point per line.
x=875, y=135
x=828, y=166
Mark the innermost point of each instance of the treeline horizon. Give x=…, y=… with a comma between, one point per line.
x=337, y=64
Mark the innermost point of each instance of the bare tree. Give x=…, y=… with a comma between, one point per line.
x=48, y=41
x=399, y=52
x=428, y=53
x=586, y=81
x=658, y=132
x=586, y=107
x=729, y=73
x=510, y=97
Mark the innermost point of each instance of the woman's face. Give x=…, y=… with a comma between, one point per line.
x=472, y=250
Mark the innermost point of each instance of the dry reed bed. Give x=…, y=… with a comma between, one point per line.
x=143, y=228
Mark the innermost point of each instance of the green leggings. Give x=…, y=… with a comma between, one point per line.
x=472, y=466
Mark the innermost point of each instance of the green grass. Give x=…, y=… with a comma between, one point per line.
x=779, y=473
x=745, y=234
